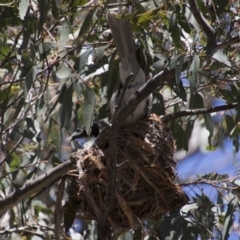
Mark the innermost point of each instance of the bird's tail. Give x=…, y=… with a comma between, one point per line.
x=123, y=38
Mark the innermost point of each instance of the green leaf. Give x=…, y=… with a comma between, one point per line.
x=56, y=5
x=87, y=23
x=57, y=99
x=179, y=70
x=235, y=131
x=189, y=16
x=30, y=78
x=174, y=30
x=222, y=58
x=182, y=21
x=82, y=60
x=229, y=122
x=66, y=107
x=139, y=7
x=180, y=136
x=227, y=95
x=237, y=118
x=222, y=6
x=64, y=35
x=44, y=6
x=229, y=218
x=64, y=72
x=189, y=129
x=213, y=176
x=32, y=129
x=88, y=108
x=113, y=74
x=15, y=163
x=4, y=50
x=70, y=209
x=171, y=224
x=158, y=106
x=172, y=20
x=236, y=144
x=25, y=60
x=23, y=7
x=194, y=73
x=103, y=111
x=19, y=106
x=47, y=47
x=234, y=91
x=174, y=61
x=196, y=101
x=4, y=93
x=149, y=15
x=209, y=126
x=176, y=36
x=100, y=51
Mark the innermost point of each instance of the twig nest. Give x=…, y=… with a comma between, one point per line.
x=145, y=187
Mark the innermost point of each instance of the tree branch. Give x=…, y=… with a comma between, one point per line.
x=113, y=132
x=206, y=27
x=228, y=43
x=35, y=186
x=149, y=87
x=190, y=112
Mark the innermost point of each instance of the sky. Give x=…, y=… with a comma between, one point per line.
x=222, y=161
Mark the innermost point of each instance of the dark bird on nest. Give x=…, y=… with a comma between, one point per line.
x=130, y=64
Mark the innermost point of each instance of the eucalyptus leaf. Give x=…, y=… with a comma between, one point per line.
x=222, y=58
x=193, y=70
x=209, y=125
x=64, y=72
x=47, y=47
x=180, y=136
x=158, y=104
x=86, y=23
x=196, y=101
x=30, y=78
x=44, y=6
x=213, y=176
x=83, y=59
x=147, y=15
x=66, y=107
x=229, y=218
x=23, y=7
x=64, y=35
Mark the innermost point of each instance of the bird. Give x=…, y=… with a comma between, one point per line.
x=81, y=139
x=123, y=39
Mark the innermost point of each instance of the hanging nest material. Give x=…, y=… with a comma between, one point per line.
x=145, y=187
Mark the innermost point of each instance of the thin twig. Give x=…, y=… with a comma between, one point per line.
x=191, y=112
x=206, y=27
x=35, y=186
x=228, y=43
x=149, y=87
x=12, y=150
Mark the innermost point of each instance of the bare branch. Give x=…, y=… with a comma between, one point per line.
x=206, y=27
x=11, y=151
x=190, y=112
x=148, y=88
x=35, y=186
x=228, y=43
x=7, y=4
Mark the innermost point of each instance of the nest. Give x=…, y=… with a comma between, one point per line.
x=145, y=187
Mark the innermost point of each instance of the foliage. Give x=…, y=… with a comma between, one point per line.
x=58, y=69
